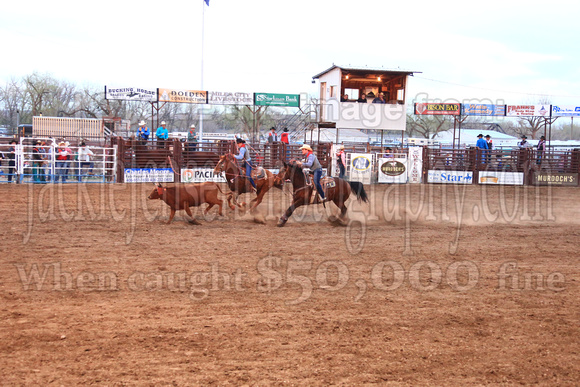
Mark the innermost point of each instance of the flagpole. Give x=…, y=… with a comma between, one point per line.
x=202, y=48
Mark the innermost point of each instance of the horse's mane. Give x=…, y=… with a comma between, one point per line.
x=297, y=171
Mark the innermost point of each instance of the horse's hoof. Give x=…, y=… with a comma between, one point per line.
x=281, y=222
x=336, y=221
x=195, y=222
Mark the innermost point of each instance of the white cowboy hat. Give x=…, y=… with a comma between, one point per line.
x=162, y=122
x=192, y=126
x=142, y=123
x=341, y=147
x=307, y=147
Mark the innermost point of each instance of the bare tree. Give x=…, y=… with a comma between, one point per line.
x=427, y=126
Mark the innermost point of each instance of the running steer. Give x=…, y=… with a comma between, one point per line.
x=181, y=197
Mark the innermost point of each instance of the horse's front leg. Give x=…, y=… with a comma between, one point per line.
x=295, y=204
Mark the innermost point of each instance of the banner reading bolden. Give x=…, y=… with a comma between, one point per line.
x=182, y=96
x=448, y=109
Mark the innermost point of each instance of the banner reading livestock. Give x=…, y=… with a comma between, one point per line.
x=230, y=98
x=448, y=109
x=182, y=96
x=131, y=94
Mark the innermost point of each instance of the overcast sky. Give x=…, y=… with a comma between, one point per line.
x=509, y=52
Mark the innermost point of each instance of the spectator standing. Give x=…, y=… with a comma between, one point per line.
x=481, y=143
x=37, y=161
x=272, y=136
x=12, y=160
x=524, y=143
x=362, y=98
x=143, y=132
x=192, y=138
x=162, y=134
x=84, y=157
x=541, y=150
x=284, y=136
x=341, y=161
x=61, y=165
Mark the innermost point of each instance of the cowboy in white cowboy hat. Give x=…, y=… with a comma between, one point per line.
x=143, y=131
x=311, y=161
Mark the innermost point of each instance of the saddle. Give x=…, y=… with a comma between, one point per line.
x=326, y=182
x=258, y=173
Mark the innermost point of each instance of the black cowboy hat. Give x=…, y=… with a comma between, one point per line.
x=480, y=135
x=487, y=135
x=240, y=141
x=285, y=129
x=524, y=136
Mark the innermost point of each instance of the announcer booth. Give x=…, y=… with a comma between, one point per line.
x=368, y=99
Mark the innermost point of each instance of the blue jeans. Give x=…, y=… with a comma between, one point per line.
x=61, y=169
x=249, y=173
x=316, y=178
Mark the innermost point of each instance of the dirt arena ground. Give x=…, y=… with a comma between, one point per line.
x=427, y=285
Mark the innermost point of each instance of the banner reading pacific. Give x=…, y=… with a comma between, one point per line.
x=448, y=109
x=182, y=96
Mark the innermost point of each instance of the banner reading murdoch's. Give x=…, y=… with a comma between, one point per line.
x=182, y=96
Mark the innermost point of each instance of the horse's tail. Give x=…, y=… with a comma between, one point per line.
x=359, y=189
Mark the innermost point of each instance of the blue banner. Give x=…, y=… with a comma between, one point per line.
x=473, y=109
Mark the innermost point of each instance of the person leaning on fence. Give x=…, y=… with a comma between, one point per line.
x=524, y=143
x=311, y=161
x=272, y=136
x=84, y=157
x=341, y=161
x=541, y=150
x=162, y=134
x=192, y=138
x=11, y=160
x=244, y=154
x=61, y=164
x=143, y=131
x=37, y=163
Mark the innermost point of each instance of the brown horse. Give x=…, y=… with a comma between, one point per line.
x=239, y=183
x=338, y=191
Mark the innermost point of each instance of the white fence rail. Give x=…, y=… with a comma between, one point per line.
x=29, y=162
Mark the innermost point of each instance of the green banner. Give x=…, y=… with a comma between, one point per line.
x=269, y=99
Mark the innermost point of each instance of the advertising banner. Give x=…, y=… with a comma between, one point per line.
x=568, y=179
x=565, y=111
x=200, y=175
x=449, y=177
x=448, y=109
x=360, y=167
x=230, y=98
x=130, y=94
x=392, y=170
x=148, y=175
x=269, y=99
x=182, y=96
x=501, y=178
x=528, y=110
x=415, y=169
x=470, y=109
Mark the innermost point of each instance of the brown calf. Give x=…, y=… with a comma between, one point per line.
x=183, y=196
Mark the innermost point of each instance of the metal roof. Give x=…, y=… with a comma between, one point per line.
x=366, y=69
